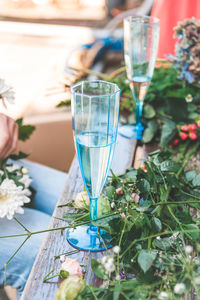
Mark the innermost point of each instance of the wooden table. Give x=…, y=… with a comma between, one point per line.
x=55, y=242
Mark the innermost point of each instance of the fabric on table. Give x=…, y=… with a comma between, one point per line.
x=20, y=266
x=48, y=184
x=170, y=12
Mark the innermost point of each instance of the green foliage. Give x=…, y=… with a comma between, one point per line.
x=165, y=107
x=152, y=234
x=25, y=131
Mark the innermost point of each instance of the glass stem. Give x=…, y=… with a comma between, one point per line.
x=93, y=213
x=139, y=107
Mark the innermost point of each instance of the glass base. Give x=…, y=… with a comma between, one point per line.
x=131, y=131
x=84, y=239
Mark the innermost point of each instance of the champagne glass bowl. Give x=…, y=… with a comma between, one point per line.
x=141, y=36
x=95, y=114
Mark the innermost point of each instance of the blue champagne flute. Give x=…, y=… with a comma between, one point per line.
x=141, y=37
x=95, y=114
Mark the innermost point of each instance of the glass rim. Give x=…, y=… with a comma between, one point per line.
x=93, y=81
x=136, y=19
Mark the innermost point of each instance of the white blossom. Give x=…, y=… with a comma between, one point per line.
x=82, y=200
x=112, y=205
x=116, y=249
x=108, y=263
x=188, y=249
x=12, y=198
x=179, y=288
x=25, y=170
x=62, y=258
x=6, y=92
x=163, y=296
x=189, y=98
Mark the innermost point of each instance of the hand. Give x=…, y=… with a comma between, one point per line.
x=8, y=136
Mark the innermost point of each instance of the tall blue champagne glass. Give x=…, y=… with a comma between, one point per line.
x=95, y=114
x=141, y=37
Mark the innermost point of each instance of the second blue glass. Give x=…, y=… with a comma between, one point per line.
x=141, y=35
x=95, y=114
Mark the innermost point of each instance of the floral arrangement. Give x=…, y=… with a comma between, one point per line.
x=187, y=59
x=14, y=179
x=156, y=254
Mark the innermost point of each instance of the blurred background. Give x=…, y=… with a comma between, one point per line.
x=39, y=40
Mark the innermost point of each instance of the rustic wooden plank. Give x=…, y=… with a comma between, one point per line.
x=55, y=241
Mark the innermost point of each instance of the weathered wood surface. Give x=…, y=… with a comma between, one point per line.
x=55, y=241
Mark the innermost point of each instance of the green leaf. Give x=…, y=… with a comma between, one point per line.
x=131, y=174
x=194, y=234
x=169, y=166
x=149, y=111
x=163, y=244
x=132, y=119
x=64, y=103
x=25, y=131
x=148, y=135
x=146, y=259
x=110, y=192
x=98, y=269
x=117, y=291
x=144, y=186
x=196, y=180
x=157, y=225
x=168, y=133
x=190, y=175
x=63, y=274
x=20, y=155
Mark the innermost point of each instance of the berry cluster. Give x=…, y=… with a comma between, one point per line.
x=185, y=132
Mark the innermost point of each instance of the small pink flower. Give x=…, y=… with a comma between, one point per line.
x=123, y=216
x=72, y=266
x=136, y=198
x=119, y=191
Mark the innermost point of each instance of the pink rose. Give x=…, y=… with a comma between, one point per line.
x=119, y=191
x=136, y=198
x=123, y=215
x=72, y=266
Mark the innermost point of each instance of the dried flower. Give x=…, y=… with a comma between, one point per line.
x=179, y=288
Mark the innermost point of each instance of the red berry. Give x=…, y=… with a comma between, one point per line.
x=192, y=126
x=184, y=128
x=175, y=142
x=183, y=136
x=198, y=123
x=193, y=135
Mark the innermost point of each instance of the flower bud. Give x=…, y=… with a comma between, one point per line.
x=70, y=288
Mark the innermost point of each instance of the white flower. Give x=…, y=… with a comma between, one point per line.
x=112, y=205
x=25, y=170
x=62, y=258
x=189, y=98
x=12, y=198
x=116, y=249
x=6, y=92
x=108, y=263
x=82, y=200
x=117, y=277
x=163, y=296
x=188, y=249
x=179, y=288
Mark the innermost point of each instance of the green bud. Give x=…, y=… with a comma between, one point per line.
x=70, y=288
